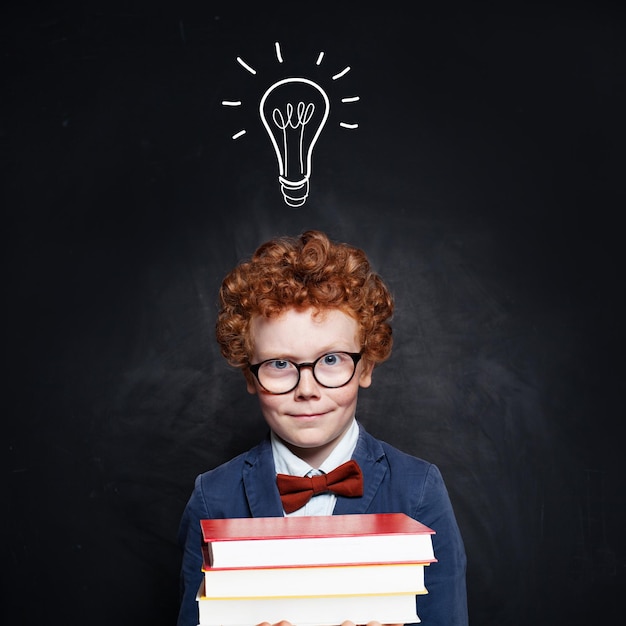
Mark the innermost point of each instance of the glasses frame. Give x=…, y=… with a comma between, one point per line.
x=355, y=356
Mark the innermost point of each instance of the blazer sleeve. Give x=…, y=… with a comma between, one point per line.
x=445, y=604
x=190, y=539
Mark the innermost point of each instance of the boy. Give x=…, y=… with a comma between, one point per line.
x=306, y=320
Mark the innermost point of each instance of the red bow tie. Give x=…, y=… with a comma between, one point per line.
x=296, y=491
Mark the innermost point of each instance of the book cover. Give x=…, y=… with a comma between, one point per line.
x=315, y=540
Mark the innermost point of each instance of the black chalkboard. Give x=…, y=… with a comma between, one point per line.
x=486, y=182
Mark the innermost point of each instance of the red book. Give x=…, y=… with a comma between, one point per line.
x=315, y=540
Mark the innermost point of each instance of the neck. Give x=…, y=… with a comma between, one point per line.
x=313, y=456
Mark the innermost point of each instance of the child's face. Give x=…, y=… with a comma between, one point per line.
x=310, y=419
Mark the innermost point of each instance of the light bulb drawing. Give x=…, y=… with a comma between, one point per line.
x=293, y=112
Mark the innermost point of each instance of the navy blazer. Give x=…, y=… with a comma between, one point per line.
x=393, y=481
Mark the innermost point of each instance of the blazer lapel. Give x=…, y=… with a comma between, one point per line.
x=368, y=454
x=259, y=480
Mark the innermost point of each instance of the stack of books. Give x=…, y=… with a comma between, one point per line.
x=313, y=570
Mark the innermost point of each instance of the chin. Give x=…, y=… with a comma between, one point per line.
x=309, y=443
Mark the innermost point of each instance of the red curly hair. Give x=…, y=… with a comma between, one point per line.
x=302, y=272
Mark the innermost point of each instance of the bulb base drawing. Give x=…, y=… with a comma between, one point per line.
x=295, y=193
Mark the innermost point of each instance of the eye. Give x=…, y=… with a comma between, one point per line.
x=331, y=359
x=278, y=364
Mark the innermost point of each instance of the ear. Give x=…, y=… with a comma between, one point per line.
x=365, y=377
x=250, y=382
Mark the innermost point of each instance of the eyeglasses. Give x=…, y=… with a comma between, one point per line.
x=331, y=370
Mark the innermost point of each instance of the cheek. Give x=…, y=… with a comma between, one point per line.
x=268, y=402
x=346, y=395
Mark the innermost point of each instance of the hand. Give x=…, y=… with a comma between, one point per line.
x=370, y=624
x=284, y=623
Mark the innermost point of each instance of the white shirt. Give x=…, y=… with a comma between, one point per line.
x=286, y=462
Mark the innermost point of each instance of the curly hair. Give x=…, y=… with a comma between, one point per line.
x=302, y=272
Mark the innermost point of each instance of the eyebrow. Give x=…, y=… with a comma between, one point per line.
x=296, y=360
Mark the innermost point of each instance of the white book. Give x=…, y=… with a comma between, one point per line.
x=319, y=580
x=400, y=608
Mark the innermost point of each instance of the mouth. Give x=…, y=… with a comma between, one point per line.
x=307, y=416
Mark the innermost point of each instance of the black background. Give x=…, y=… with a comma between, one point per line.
x=486, y=183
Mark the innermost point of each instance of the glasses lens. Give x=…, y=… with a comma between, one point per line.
x=278, y=376
x=334, y=369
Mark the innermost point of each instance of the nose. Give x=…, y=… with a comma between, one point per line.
x=307, y=386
